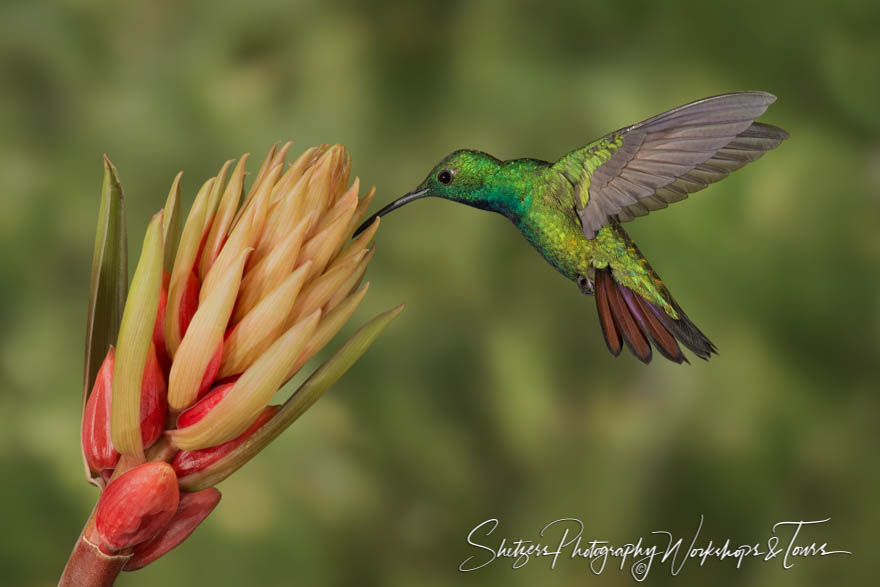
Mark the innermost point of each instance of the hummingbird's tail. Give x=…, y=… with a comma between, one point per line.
x=628, y=318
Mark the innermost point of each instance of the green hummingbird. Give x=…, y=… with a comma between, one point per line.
x=571, y=210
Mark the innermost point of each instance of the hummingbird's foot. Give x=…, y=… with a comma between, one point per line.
x=586, y=285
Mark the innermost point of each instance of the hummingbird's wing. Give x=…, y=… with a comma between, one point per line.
x=646, y=166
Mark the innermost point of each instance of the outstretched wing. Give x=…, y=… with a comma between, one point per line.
x=649, y=165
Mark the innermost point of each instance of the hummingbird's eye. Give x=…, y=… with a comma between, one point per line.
x=445, y=177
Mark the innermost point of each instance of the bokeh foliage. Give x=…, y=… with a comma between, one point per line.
x=493, y=394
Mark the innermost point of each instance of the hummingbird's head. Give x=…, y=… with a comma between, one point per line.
x=460, y=177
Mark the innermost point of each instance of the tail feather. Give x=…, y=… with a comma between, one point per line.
x=627, y=324
x=626, y=317
x=662, y=338
x=606, y=317
x=687, y=332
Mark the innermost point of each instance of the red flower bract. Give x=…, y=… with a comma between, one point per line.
x=97, y=445
x=187, y=462
x=136, y=506
x=192, y=509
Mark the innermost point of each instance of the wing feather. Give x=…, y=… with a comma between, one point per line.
x=649, y=165
x=620, y=196
x=654, y=203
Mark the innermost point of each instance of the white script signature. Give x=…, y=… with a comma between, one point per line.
x=564, y=539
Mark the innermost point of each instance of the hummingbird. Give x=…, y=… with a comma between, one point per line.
x=572, y=210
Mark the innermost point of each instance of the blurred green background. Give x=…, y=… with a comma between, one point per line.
x=493, y=395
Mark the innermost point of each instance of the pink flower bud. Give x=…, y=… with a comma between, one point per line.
x=192, y=509
x=136, y=506
x=96, y=443
x=187, y=462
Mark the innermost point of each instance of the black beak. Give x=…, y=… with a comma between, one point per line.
x=392, y=206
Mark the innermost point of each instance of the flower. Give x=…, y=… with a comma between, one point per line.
x=215, y=322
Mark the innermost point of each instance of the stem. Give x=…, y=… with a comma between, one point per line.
x=88, y=566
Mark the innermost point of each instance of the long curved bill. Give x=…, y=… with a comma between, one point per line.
x=401, y=201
